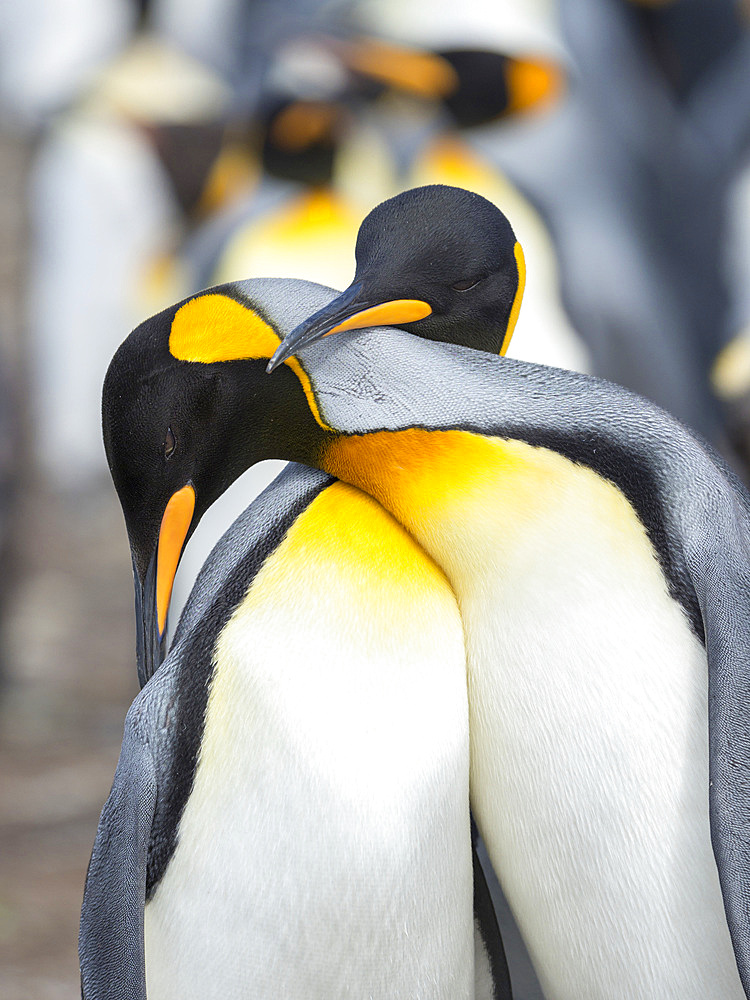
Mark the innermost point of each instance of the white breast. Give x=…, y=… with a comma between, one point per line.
x=324, y=851
x=589, y=736
x=590, y=778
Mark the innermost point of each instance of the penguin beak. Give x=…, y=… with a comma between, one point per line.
x=150, y=646
x=352, y=310
x=153, y=593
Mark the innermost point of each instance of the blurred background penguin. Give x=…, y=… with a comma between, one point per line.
x=151, y=149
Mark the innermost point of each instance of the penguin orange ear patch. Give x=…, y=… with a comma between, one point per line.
x=214, y=327
x=516, y=307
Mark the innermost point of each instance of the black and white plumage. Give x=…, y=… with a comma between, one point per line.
x=324, y=728
x=592, y=531
x=290, y=814
x=599, y=556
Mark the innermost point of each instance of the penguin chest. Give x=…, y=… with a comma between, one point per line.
x=324, y=850
x=588, y=713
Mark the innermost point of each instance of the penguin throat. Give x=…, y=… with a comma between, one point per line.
x=469, y=499
x=482, y=333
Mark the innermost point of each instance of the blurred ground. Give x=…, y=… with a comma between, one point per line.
x=69, y=679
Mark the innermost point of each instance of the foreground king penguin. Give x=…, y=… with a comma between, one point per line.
x=598, y=552
x=295, y=778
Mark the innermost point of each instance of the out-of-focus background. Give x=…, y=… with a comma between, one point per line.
x=152, y=148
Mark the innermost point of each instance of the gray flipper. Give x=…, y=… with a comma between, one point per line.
x=721, y=575
x=486, y=921
x=111, y=937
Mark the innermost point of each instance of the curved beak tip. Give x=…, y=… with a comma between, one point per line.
x=303, y=334
x=277, y=358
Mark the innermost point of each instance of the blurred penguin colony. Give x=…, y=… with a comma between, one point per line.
x=183, y=143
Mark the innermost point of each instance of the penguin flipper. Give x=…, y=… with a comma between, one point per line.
x=487, y=931
x=111, y=946
x=722, y=582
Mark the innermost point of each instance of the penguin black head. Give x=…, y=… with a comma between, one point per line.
x=438, y=261
x=186, y=405
x=186, y=409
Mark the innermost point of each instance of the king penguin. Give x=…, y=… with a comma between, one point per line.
x=275, y=714
x=290, y=812
x=599, y=554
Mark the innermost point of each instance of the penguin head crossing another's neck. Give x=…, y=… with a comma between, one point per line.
x=187, y=406
x=186, y=409
x=433, y=260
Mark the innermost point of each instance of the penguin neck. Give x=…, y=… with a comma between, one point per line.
x=438, y=484
x=488, y=507
x=289, y=427
x=483, y=332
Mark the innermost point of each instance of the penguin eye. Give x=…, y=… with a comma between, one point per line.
x=464, y=286
x=170, y=443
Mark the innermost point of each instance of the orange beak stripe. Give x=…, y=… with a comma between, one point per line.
x=174, y=528
x=516, y=307
x=386, y=314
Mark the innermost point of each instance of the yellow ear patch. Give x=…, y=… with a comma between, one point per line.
x=213, y=328
x=517, y=298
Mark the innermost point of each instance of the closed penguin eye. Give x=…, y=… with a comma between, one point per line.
x=170, y=443
x=464, y=286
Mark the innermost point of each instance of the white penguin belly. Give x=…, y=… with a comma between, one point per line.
x=324, y=851
x=589, y=735
x=588, y=714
